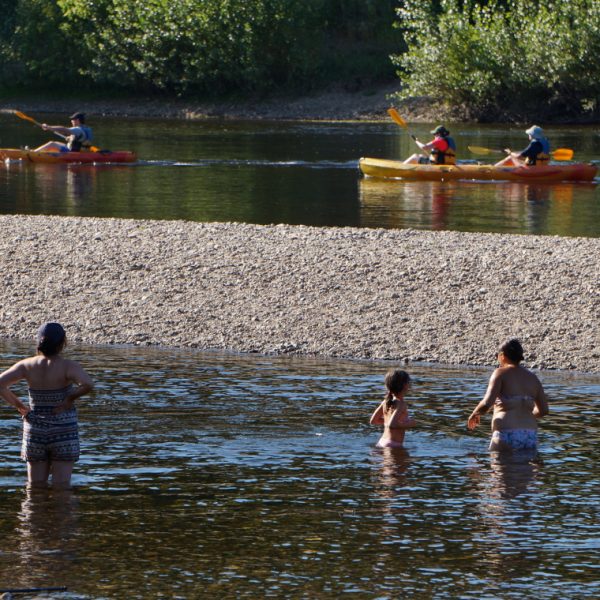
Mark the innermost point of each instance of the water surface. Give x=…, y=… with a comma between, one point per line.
x=297, y=173
x=249, y=476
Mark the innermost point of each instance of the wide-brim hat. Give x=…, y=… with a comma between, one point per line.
x=535, y=132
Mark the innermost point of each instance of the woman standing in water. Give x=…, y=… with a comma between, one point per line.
x=392, y=413
x=518, y=399
x=50, y=431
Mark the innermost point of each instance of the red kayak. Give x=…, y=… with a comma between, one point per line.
x=84, y=156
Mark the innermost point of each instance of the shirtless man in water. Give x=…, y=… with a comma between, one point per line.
x=518, y=400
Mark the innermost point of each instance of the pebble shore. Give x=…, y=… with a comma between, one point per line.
x=406, y=295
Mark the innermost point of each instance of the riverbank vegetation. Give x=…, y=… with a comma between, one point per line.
x=477, y=59
x=197, y=47
x=500, y=59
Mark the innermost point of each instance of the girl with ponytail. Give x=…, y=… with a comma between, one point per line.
x=392, y=413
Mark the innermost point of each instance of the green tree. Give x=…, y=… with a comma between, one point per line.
x=495, y=58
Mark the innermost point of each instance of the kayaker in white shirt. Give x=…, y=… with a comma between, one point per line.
x=77, y=136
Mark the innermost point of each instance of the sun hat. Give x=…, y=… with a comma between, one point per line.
x=440, y=130
x=51, y=333
x=535, y=132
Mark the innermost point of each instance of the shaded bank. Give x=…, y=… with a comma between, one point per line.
x=446, y=297
x=338, y=104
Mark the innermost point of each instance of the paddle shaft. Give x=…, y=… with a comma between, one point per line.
x=558, y=154
x=395, y=115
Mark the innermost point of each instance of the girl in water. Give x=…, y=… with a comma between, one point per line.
x=518, y=400
x=50, y=431
x=392, y=413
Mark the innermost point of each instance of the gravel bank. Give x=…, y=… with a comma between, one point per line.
x=367, y=293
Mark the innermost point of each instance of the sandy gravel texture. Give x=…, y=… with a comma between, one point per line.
x=340, y=292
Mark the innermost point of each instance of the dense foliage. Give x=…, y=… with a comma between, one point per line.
x=196, y=46
x=494, y=58
x=498, y=58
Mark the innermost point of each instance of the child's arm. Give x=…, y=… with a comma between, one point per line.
x=377, y=416
x=400, y=419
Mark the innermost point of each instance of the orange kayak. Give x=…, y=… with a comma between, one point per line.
x=101, y=156
x=395, y=169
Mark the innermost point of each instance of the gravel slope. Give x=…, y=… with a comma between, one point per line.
x=407, y=295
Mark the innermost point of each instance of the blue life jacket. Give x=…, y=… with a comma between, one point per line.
x=538, y=152
x=75, y=143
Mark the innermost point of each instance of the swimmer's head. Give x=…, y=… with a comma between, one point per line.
x=512, y=350
x=396, y=381
x=51, y=339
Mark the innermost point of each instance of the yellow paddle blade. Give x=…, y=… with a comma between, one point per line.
x=562, y=154
x=397, y=118
x=25, y=117
x=482, y=150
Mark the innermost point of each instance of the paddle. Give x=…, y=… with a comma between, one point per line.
x=400, y=121
x=558, y=154
x=25, y=117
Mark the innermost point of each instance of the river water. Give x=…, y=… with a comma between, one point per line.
x=242, y=477
x=297, y=173
x=230, y=476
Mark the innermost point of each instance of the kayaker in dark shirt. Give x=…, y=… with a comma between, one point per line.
x=536, y=153
x=77, y=136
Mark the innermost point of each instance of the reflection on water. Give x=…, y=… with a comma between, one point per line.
x=296, y=173
x=252, y=476
x=504, y=207
x=44, y=541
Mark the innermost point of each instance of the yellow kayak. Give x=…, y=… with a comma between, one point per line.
x=395, y=169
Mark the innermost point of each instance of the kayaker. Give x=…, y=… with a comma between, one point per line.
x=442, y=149
x=78, y=136
x=536, y=153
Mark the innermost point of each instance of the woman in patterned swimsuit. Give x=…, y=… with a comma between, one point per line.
x=518, y=400
x=50, y=432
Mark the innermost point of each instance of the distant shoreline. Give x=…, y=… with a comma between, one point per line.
x=369, y=104
x=403, y=295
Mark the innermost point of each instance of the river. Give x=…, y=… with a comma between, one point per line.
x=296, y=173
x=244, y=476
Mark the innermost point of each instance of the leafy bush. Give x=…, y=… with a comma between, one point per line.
x=497, y=58
x=199, y=46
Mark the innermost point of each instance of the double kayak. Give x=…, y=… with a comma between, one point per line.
x=85, y=156
x=395, y=169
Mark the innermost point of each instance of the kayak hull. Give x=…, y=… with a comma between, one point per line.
x=394, y=169
x=85, y=157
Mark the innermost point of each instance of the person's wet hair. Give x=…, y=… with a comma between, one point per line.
x=512, y=350
x=395, y=382
x=51, y=338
